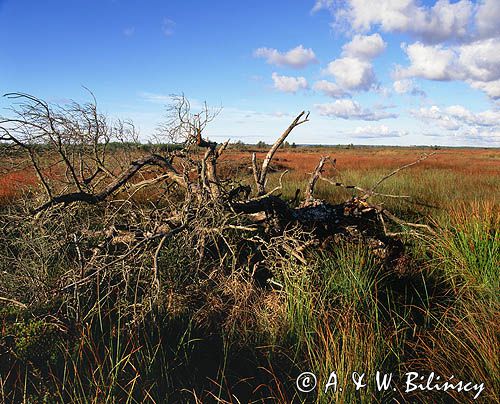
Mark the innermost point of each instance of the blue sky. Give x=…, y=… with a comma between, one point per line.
x=405, y=72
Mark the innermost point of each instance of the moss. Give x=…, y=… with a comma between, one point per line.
x=10, y=314
x=35, y=341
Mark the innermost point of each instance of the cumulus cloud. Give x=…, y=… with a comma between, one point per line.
x=492, y=88
x=429, y=62
x=330, y=89
x=403, y=86
x=352, y=73
x=406, y=86
x=485, y=118
x=354, y=70
x=442, y=21
x=487, y=137
x=456, y=40
x=434, y=115
x=349, y=109
x=480, y=60
x=487, y=18
x=297, y=58
x=477, y=63
x=457, y=117
x=365, y=47
x=473, y=136
x=450, y=40
x=377, y=132
x=288, y=84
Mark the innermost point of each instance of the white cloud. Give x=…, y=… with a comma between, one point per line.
x=429, y=62
x=166, y=99
x=472, y=27
x=486, y=137
x=492, y=88
x=168, y=26
x=403, y=86
x=377, y=132
x=443, y=21
x=477, y=63
x=288, y=84
x=457, y=117
x=352, y=73
x=330, y=89
x=156, y=98
x=349, y=109
x=406, y=86
x=456, y=40
x=480, y=60
x=364, y=47
x=487, y=18
x=322, y=4
x=484, y=118
x=434, y=115
x=298, y=57
x=470, y=136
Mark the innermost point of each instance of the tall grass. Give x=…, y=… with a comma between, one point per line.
x=467, y=250
x=214, y=335
x=332, y=322
x=465, y=340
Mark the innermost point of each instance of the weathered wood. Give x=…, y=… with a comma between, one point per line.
x=126, y=176
x=314, y=178
x=261, y=175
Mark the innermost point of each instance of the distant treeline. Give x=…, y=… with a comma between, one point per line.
x=239, y=145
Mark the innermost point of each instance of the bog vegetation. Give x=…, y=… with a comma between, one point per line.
x=190, y=271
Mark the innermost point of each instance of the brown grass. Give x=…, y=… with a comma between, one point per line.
x=465, y=161
x=12, y=184
x=472, y=164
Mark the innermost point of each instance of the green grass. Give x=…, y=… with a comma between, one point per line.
x=212, y=333
x=468, y=250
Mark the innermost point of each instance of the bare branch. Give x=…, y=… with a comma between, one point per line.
x=15, y=302
x=261, y=183
x=255, y=169
x=425, y=156
x=135, y=166
x=314, y=177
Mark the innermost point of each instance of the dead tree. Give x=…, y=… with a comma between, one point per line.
x=314, y=178
x=69, y=150
x=79, y=135
x=260, y=174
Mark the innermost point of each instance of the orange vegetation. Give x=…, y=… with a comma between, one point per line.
x=468, y=162
x=12, y=183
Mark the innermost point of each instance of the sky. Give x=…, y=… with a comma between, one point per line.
x=391, y=72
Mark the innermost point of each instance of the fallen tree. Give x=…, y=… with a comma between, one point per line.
x=68, y=149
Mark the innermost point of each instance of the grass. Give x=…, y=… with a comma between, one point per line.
x=213, y=335
x=468, y=251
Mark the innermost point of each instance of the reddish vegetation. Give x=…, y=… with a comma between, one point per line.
x=11, y=184
x=467, y=161
x=470, y=162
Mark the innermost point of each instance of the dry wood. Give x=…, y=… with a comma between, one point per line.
x=425, y=156
x=314, y=178
x=135, y=166
x=261, y=174
x=209, y=208
x=12, y=301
